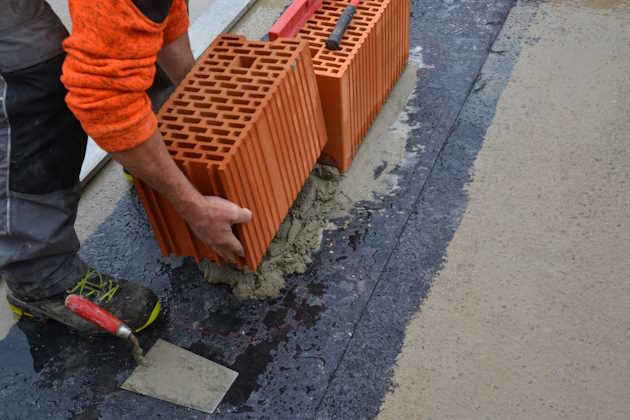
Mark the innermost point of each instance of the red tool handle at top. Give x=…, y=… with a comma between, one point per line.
x=97, y=315
x=294, y=18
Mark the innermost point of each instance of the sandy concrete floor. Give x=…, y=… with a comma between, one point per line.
x=529, y=316
x=257, y=21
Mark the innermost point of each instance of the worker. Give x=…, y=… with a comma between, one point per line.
x=54, y=89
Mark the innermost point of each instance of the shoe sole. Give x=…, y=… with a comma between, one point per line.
x=127, y=176
x=23, y=309
x=20, y=312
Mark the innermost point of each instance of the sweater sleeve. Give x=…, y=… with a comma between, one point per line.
x=177, y=21
x=110, y=64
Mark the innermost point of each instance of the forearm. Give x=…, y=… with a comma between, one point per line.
x=176, y=58
x=210, y=218
x=151, y=162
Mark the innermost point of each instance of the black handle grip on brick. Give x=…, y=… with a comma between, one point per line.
x=333, y=41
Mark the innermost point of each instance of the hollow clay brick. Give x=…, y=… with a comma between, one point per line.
x=355, y=81
x=247, y=125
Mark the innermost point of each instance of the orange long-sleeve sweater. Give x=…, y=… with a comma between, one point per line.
x=110, y=64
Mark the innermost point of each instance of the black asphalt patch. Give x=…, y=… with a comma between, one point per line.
x=326, y=348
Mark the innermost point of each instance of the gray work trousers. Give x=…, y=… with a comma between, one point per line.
x=42, y=146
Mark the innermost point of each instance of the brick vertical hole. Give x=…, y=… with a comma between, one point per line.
x=192, y=155
x=244, y=62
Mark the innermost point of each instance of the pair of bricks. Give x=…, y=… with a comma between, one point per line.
x=252, y=118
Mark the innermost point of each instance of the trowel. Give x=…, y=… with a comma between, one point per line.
x=166, y=372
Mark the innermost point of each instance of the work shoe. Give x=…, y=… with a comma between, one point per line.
x=136, y=305
x=127, y=175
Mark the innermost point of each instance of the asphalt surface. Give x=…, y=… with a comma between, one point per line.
x=325, y=348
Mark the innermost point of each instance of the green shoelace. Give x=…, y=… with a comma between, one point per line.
x=104, y=290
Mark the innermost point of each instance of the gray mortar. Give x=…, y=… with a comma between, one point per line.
x=290, y=251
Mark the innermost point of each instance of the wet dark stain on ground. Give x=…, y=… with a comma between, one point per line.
x=58, y=358
x=221, y=321
x=358, y=233
x=286, y=316
x=378, y=171
x=355, y=239
x=207, y=351
x=250, y=365
x=317, y=289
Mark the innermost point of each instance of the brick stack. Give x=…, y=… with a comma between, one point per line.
x=355, y=81
x=247, y=125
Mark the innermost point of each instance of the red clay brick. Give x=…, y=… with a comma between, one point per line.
x=355, y=81
x=247, y=125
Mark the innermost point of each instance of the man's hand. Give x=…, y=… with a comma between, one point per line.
x=211, y=218
x=214, y=226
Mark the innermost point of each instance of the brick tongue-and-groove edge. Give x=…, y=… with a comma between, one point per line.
x=355, y=81
x=247, y=125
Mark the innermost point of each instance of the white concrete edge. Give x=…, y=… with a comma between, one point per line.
x=220, y=17
x=95, y=159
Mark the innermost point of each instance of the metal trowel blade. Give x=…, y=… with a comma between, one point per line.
x=176, y=375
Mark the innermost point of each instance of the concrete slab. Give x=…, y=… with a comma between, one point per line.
x=219, y=16
x=528, y=317
x=256, y=23
x=95, y=159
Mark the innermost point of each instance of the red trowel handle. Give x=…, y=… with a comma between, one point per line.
x=97, y=315
x=101, y=317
